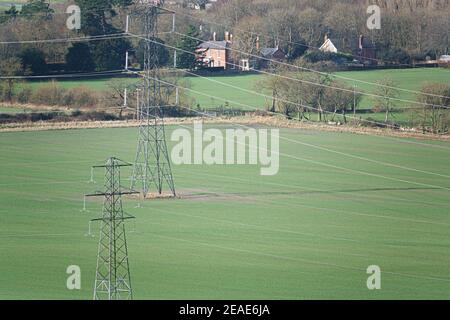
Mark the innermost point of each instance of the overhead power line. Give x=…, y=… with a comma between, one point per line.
x=69, y=75
x=261, y=35
x=315, y=71
x=318, y=147
x=309, y=160
x=52, y=12
x=248, y=106
x=127, y=35
x=130, y=35
x=110, y=36
x=75, y=39
x=296, y=79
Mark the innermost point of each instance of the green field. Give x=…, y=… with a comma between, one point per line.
x=410, y=79
x=309, y=232
x=11, y=110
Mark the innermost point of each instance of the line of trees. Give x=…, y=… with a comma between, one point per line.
x=37, y=20
x=410, y=31
x=301, y=99
x=435, y=116
x=322, y=98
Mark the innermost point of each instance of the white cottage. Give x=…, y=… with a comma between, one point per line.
x=328, y=46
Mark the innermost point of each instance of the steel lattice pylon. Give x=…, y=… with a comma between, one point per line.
x=112, y=277
x=152, y=163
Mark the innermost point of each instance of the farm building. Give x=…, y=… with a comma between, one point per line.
x=276, y=54
x=273, y=53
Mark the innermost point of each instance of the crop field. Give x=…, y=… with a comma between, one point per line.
x=340, y=203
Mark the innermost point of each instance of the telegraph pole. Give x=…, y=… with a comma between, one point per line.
x=137, y=105
x=152, y=166
x=112, y=276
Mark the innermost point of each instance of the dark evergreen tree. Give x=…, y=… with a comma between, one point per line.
x=186, y=58
x=79, y=58
x=33, y=61
x=96, y=20
x=109, y=54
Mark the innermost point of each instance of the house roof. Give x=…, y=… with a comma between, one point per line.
x=268, y=51
x=214, y=45
x=328, y=46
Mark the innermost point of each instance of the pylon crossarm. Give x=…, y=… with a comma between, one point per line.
x=112, y=219
x=103, y=194
x=124, y=164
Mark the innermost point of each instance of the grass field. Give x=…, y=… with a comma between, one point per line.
x=309, y=232
x=11, y=110
x=411, y=79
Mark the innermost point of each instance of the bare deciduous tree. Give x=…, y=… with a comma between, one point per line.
x=387, y=93
x=435, y=112
x=9, y=68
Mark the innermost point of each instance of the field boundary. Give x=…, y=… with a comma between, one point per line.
x=271, y=121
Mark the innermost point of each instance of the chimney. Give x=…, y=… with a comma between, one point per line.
x=214, y=36
x=326, y=37
x=227, y=36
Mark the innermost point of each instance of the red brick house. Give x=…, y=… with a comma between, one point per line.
x=214, y=54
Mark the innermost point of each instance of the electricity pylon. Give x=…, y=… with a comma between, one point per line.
x=112, y=276
x=152, y=164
